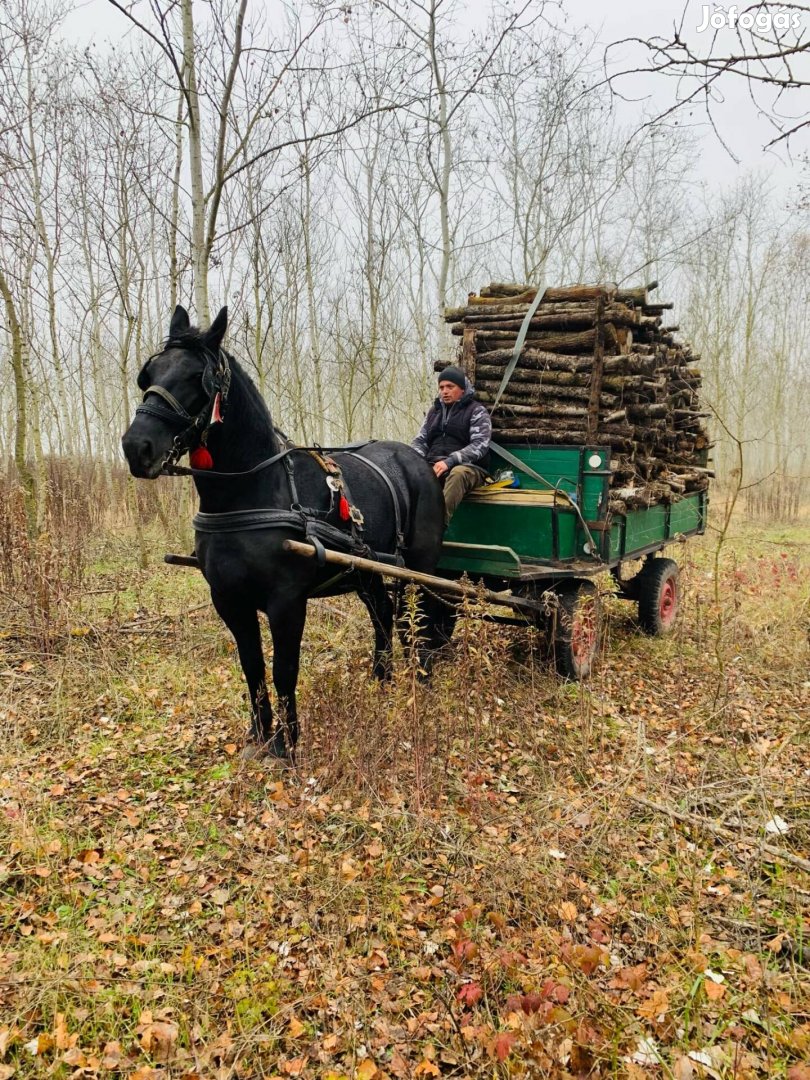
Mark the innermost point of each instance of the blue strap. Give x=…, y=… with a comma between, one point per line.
x=510, y=367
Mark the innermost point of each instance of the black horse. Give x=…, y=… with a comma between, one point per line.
x=380, y=497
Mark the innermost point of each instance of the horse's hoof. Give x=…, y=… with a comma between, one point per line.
x=278, y=749
x=253, y=750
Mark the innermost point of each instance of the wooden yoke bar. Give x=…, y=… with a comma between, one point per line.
x=454, y=588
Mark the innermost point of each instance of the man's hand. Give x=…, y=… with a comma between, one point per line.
x=440, y=468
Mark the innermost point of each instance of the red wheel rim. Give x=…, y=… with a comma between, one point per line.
x=583, y=633
x=668, y=602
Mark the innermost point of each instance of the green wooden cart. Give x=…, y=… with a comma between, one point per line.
x=535, y=549
x=548, y=538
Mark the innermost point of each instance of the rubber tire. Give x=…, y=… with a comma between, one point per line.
x=576, y=644
x=658, y=596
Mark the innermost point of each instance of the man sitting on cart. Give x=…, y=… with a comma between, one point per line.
x=455, y=438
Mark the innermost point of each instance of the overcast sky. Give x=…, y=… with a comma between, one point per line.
x=743, y=129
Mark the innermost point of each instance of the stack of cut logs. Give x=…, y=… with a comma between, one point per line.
x=596, y=368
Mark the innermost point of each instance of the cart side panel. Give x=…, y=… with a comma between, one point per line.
x=534, y=532
x=640, y=531
x=548, y=533
x=644, y=528
x=687, y=516
x=559, y=465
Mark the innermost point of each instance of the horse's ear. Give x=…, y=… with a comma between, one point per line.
x=216, y=331
x=143, y=378
x=180, y=322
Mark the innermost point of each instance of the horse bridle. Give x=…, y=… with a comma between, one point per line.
x=216, y=382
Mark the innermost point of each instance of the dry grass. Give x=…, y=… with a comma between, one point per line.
x=463, y=877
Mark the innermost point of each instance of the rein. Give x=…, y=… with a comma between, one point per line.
x=170, y=469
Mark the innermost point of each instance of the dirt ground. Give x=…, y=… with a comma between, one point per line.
x=493, y=873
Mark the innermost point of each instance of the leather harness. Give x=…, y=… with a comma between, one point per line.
x=311, y=522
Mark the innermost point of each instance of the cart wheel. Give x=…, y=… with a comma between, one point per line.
x=659, y=596
x=575, y=631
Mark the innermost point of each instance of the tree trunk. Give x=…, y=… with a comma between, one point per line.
x=21, y=421
x=199, y=258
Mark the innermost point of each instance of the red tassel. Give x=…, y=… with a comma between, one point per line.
x=343, y=508
x=201, y=458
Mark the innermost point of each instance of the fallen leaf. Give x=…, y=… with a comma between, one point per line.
x=646, y=1053
x=398, y=1065
x=75, y=1057
x=40, y=1045
x=62, y=1040
x=655, y=1007
x=630, y=978
x=159, y=1040
x=470, y=994
x=89, y=856
x=567, y=911
x=776, y=943
x=427, y=1068
x=498, y=921
x=714, y=991
x=295, y=1028
x=701, y=1057
x=683, y=1069
x=293, y=1067
x=777, y=826
x=501, y=1045
x=112, y=1055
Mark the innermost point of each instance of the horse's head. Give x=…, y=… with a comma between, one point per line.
x=184, y=387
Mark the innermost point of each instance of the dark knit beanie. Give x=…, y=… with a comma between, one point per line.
x=454, y=375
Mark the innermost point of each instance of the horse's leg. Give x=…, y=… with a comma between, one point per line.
x=243, y=622
x=287, y=628
x=378, y=603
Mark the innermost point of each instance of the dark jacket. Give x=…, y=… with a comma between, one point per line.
x=458, y=434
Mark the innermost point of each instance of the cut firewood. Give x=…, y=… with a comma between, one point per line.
x=596, y=367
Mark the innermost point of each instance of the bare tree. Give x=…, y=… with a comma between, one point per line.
x=765, y=46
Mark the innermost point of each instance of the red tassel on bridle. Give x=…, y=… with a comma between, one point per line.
x=343, y=508
x=201, y=458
